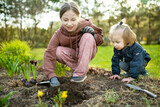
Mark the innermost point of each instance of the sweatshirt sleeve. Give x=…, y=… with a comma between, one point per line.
x=115, y=64
x=98, y=35
x=49, y=59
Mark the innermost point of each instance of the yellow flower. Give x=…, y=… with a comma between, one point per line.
x=64, y=94
x=40, y=93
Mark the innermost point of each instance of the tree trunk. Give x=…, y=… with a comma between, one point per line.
x=5, y=22
x=51, y=26
x=149, y=28
x=137, y=22
x=20, y=30
x=35, y=32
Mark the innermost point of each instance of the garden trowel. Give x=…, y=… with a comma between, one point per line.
x=140, y=89
x=44, y=83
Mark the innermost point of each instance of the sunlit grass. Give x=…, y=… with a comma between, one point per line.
x=103, y=58
x=153, y=67
x=38, y=53
x=104, y=55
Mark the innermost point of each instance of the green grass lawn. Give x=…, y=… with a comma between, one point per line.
x=104, y=55
x=38, y=53
x=153, y=67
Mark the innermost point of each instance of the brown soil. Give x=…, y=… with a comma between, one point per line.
x=93, y=91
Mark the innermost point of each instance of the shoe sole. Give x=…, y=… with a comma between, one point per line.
x=55, y=85
x=79, y=81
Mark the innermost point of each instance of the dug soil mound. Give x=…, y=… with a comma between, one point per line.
x=96, y=91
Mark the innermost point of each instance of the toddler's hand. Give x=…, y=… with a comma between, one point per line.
x=114, y=77
x=128, y=80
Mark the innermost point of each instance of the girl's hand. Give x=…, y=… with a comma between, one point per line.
x=128, y=80
x=88, y=29
x=115, y=77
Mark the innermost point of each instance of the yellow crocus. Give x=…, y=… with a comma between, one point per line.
x=40, y=93
x=64, y=94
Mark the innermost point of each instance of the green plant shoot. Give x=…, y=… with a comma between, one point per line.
x=40, y=93
x=40, y=104
x=60, y=98
x=4, y=102
x=34, y=71
x=111, y=96
x=60, y=69
x=28, y=71
x=23, y=67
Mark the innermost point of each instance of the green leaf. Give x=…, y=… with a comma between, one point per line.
x=144, y=1
x=24, y=71
x=10, y=64
x=5, y=100
x=28, y=71
x=34, y=71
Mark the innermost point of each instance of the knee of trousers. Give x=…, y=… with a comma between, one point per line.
x=87, y=37
x=124, y=65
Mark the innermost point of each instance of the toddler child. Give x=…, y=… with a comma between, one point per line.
x=128, y=54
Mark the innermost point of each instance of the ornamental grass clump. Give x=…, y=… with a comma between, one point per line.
x=11, y=65
x=26, y=70
x=60, y=99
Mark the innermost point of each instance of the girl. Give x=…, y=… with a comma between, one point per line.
x=74, y=44
x=128, y=54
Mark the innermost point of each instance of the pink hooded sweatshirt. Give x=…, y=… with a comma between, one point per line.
x=67, y=39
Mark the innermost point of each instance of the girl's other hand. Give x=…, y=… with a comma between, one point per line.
x=128, y=80
x=115, y=77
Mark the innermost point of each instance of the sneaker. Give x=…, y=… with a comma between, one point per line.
x=78, y=79
x=125, y=74
x=54, y=82
x=145, y=73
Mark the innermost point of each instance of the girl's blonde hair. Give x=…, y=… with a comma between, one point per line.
x=128, y=35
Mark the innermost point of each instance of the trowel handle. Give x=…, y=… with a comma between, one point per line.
x=150, y=93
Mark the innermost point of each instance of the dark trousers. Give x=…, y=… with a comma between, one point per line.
x=126, y=66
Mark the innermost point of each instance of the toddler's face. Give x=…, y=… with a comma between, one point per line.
x=70, y=21
x=117, y=41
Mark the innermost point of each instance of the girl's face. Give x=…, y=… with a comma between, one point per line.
x=117, y=41
x=70, y=21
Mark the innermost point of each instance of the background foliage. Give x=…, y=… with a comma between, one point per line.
x=144, y=20
x=16, y=49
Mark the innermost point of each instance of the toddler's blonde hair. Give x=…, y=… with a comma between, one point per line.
x=128, y=35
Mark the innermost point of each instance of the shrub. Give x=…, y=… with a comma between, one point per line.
x=11, y=65
x=15, y=48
